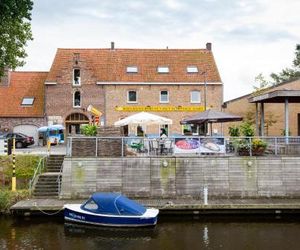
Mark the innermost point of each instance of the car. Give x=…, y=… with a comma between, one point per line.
x=22, y=141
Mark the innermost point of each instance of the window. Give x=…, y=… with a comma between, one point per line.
x=163, y=69
x=193, y=129
x=140, y=131
x=164, y=96
x=91, y=205
x=132, y=96
x=132, y=69
x=77, y=99
x=27, y=101
x=192, y=69
x=76, y=77
x=164, y=129
x=195, y=96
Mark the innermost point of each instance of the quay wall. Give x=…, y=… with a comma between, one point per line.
x=180, y=177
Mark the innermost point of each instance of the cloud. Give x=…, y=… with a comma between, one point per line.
x=248, y=36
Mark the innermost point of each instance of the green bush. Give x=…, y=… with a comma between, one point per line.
x=234, y=131
x=89, y=130
x=247, y=129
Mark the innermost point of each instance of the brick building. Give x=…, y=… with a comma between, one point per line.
x=119, y=82
x=22, y=102
x=273, y=111
x=174, y=83
x=71, y=86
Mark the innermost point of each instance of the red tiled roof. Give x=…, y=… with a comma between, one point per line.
x=23, y=84
x=110, y=65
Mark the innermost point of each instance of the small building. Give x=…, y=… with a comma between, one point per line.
x=274, y=113
x=22, y=102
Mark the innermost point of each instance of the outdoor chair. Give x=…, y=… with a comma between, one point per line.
x=138, y=146
x=154, y=146
x=167, y=146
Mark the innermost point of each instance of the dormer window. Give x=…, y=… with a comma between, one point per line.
x=192, y=69
x=27, y=101
x=76, y=77
x=163, y=69
x=132, y=69
x=77, y=99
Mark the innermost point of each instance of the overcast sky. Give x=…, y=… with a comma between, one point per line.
x=248, y=36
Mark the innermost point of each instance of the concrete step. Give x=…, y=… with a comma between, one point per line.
x=47, y=179
x=46, y=195
x=53, y=169
x=47, y=185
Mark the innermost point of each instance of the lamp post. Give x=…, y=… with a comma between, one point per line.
x=205, y=89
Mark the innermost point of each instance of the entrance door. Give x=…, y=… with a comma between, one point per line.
x=74, y=121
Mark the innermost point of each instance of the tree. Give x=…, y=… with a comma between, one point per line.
x=15, y=31
x=289, y=73
x=263, y=85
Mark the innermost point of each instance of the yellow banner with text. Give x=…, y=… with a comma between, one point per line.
x=160, y=108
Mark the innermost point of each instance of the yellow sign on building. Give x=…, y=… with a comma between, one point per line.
x=160, y=108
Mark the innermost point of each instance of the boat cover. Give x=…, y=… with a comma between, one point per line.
x=113, y=203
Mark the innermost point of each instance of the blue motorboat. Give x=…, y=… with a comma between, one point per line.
x=111, y=209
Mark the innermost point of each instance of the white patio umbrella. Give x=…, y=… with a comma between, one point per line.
x=143, y=118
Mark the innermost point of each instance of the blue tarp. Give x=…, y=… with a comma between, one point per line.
x=113, y=203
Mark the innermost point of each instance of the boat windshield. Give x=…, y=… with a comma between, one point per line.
x=111, y=203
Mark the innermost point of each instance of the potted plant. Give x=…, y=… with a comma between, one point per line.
x=243, y=146
x=258, y=146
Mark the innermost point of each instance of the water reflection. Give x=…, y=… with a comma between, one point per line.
x=205, y=236
x=180, y=232
x=109, y=233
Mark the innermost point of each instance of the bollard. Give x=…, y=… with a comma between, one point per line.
x=48, y=146
x=205, y=194
x=14, y=179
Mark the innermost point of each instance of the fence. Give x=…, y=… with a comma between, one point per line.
x=82, y=146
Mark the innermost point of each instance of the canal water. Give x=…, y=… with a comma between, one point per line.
x=170, y=233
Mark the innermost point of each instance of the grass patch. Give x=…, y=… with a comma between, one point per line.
x=9, y=198
x=25, y=166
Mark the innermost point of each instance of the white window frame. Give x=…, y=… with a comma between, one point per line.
x=199, y=97
x=160, y=95
x=27, y=101
x=79, y=79
x=163, y=69
x=132, y=69
x=192, y=69
x=76, y=106
x=136, y=94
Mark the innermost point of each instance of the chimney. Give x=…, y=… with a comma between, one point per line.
x=208, y=46
x=5, y=79
x=112, y=45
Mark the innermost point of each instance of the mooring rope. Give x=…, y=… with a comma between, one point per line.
x=54, y=213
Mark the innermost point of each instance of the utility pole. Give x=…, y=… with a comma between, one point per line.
x=205, y=90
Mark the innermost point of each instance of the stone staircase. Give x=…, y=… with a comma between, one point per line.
x=48, y=183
